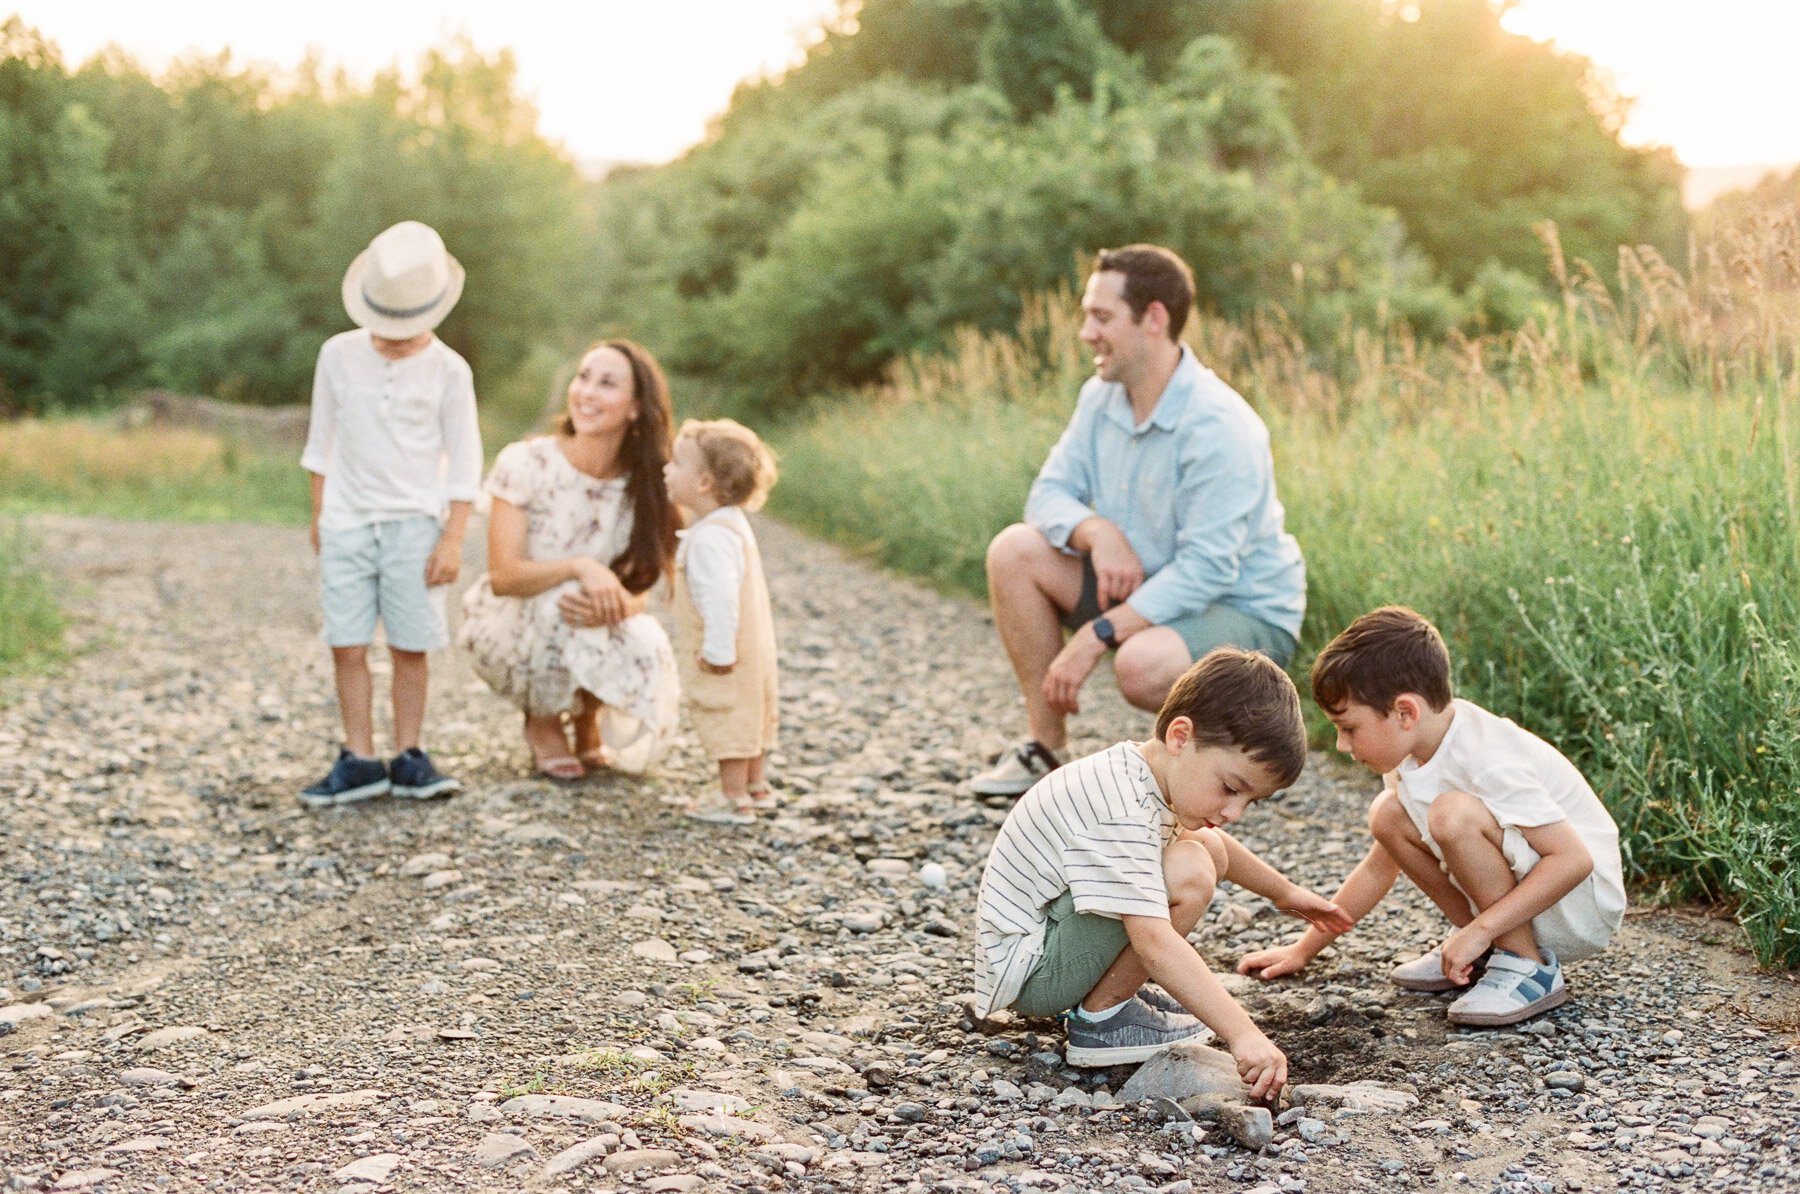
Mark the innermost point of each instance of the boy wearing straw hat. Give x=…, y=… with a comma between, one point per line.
x=395, y=457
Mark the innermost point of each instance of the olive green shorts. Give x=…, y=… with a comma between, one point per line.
x=1079, y=947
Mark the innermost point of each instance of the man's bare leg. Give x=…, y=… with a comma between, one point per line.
x=1030, y=585
x=1148, y=664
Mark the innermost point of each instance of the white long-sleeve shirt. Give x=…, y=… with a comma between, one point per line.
x=711, y=554
x=391, y=438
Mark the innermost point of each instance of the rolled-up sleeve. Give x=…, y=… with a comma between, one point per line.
x=1222, y=483
x=462, y=438
x=1061, y=498
x=321, y=425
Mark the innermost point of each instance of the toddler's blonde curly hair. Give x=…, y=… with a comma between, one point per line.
x=741, y=466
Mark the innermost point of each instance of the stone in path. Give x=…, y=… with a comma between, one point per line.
x=656, y=949
x=728, y=1126
x=16, y=1014
x=708, y=1102
x=139, y=1144
x=311, y=1104
x=1356, y=1096
x=500, y=1149
x=634, y=1159
x=565, y=1107
x=576, y=1155
x=162, y=1038
x=373, y=1169
x=145, y=1076
x=81, y=1179
x=1183, y=1071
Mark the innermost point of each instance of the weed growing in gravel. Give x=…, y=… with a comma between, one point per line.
x=638, y=1073
x=1601, y=511
x=537, y=1084
x=30, y=626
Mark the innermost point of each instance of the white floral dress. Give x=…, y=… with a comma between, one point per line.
x=521, y=645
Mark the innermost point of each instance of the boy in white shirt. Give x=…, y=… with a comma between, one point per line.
x=1105, y=866
x=1491, y=822
x=395, y=456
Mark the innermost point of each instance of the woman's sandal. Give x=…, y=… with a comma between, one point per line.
x=763, y=799
x=597, y=759
x=562, y=767
x=719, y=811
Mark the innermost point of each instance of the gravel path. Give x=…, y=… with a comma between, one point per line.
x=206, y=986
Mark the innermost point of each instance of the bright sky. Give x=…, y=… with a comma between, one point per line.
x=638, y=80
x=1711, y=79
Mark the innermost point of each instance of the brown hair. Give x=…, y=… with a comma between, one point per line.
x=1384, y=653
x=1242, y=699
x=741, y=466
x=1153, y=274
x=648, y=444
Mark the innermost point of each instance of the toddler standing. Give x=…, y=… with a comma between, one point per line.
x=725, y=633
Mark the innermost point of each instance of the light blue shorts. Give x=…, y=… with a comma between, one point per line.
x=378, y=570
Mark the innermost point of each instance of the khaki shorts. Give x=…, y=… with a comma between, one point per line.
x=1218, y=625
x=1079, y=947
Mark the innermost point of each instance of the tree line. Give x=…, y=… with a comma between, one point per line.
x=926, y=164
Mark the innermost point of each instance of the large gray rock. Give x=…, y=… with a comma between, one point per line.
x=375, y=1169
x=1183, y=1071
x=1355, y=1096
x=576, y=1155
x=500, y=1149
x=1252, y=1127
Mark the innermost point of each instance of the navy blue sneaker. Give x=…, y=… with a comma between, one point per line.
x=415, y=778
x=352, y=778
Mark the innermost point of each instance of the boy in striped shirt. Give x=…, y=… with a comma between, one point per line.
x=1105, y=866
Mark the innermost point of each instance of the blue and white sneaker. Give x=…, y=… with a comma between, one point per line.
x=1512, y=989
x=416, y=778
x=352, y=778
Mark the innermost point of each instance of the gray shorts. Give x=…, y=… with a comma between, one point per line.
x=1079, y=947
x=1218, y=625
x=378, y=570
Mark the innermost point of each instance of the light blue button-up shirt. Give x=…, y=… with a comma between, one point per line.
x=1193, y=490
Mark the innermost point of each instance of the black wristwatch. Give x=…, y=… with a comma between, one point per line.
x=1103, y=630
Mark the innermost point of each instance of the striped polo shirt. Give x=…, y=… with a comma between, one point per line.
x=1095, y=829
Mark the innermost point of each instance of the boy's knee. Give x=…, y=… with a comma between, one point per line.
x=1191, y=867
x=1388, y=822
x=1458, y=816
x=408, y=658
x=357, y=656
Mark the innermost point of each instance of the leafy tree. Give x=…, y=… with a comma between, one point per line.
x=57, y=209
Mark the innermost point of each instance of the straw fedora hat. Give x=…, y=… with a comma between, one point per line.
x=404, y=283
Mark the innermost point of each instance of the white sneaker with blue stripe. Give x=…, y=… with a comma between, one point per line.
x=1512, y=989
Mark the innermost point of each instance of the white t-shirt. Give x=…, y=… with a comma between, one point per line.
x=1095, y=829
x=1525, y=782
x=711, y=554
x=391, y=438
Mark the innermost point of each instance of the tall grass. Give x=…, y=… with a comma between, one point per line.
x=82, y=466
x=30, y=625
x=1600, y=511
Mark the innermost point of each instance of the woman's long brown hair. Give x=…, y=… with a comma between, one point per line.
x=648, y=445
